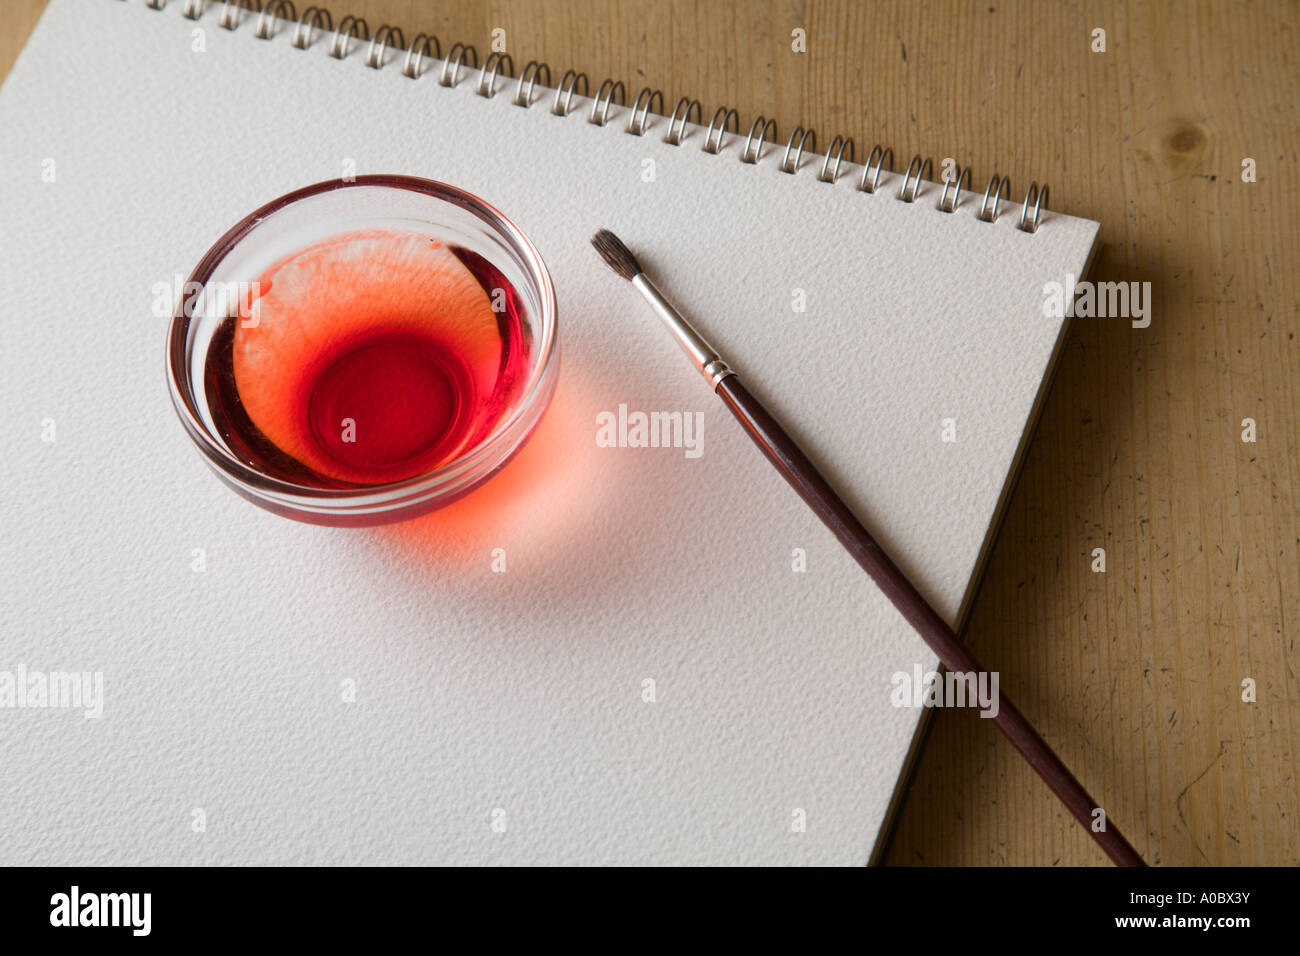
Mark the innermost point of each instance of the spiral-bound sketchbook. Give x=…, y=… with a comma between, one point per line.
x=606, y=654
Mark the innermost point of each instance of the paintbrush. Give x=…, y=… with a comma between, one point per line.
x=782, y=451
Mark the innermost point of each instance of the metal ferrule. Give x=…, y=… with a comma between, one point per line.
x=704, y=355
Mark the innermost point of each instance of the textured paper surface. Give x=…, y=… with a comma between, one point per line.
x=475, y=691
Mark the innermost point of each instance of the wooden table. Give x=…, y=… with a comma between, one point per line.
x=1134, y=675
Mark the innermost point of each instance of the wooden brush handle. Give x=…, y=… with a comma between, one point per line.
x=818, y=494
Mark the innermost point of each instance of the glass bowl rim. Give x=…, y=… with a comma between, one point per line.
x=486, y=456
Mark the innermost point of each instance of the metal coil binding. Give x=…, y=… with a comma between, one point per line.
x=837, y=147
x=995, y=189
x=422, y=46
x=313, y=18
x=275, y=10
x=534, y=69
x=922, y=169
x=604, y=98
x=727, y=117
x=641, y=106
x=230, y=12
x=787, y=166
x=761, y=126
x=378, y=49
x=879, y=155
x=568, y=85
x=316, y=22
x=350, y=28
x=684, y=109
x=1039, y=198
x=956, y=183
x=487, y=77
x=450, y=74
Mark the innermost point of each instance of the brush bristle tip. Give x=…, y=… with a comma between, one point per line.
x=616, y=255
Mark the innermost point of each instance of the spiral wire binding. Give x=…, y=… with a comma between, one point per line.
x=879, y=156
x=645, y=100
x=534, y=69
x=792, y=167
x=611, y=96
x=487, y=77
x=350, y=28
x=685, y=107
x=761, y=126
x=604, y=99
x=313, y=18
x=375, y=55
x=726, y=115
x=568, y=84
x=450, y=74
x=962, y=178
x=422, y=46
x=230, y=13
x=922, y=168
x=996, y=187
x=837, y=147
x=281, y=10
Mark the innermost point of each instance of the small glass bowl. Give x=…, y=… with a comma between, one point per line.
x=314, y=213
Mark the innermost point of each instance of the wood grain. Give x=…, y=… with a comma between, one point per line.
x=1134, y=675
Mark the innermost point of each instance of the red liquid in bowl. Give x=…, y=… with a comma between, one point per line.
x=366, y=359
